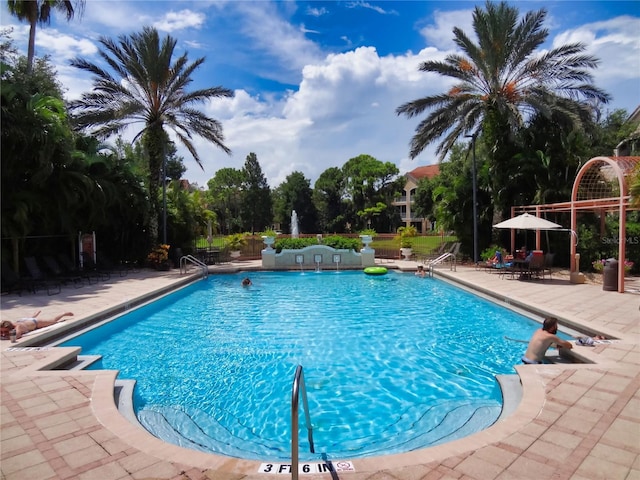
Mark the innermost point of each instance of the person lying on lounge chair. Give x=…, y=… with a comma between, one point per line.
x=29, y=324
x=542, y=340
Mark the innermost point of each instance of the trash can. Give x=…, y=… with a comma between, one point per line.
x=610, y=275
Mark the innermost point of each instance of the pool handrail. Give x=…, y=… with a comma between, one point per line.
x=298, y=387
x=441, y=259
x=196, y=262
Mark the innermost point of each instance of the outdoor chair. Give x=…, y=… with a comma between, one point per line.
x=70, y=268
x=548, y=264
x=500, y=265
x=11, y=281
x=106, y=265
x=92, y=268
x=39, y=279
x=536, y=264
x=55, y=268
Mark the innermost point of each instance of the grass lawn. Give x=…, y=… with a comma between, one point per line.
x=422, y=245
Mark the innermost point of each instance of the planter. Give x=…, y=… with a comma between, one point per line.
x=406, y=253
x=234, y=253
x=366, y=240
x=269, y=241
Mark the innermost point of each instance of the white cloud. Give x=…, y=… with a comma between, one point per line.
x=614, y=42
x=316, y=12
x=276, y=36
x=369, y=6
x=62, y=46
x=173, y=21
x=440, y=33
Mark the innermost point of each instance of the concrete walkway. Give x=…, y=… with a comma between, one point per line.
x=575, y=421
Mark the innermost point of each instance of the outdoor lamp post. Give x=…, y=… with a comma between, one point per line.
x=164, y=196
x=475, y=205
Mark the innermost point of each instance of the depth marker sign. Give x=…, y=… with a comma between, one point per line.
x=319, y=467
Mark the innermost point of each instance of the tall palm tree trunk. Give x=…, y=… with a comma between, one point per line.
x=154, y=141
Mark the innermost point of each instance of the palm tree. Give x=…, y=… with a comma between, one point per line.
x=502, y=83
x=39, y=11
x=147, y=88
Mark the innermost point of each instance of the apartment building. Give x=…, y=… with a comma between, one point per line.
x=404, y=204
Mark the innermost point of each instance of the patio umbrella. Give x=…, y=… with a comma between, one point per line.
x=528, y=222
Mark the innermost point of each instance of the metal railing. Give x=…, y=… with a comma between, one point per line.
x=431, y=263
x=193, y=260
x=299, y=386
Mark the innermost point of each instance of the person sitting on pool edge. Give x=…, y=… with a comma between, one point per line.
x=542, y=340
x=246, y=282
x=29, y=324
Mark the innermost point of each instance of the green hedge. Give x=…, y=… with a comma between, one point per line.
x=334, y=241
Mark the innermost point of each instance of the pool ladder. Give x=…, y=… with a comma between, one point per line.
x=431, y=263
x=298, y=388
x=191, y=259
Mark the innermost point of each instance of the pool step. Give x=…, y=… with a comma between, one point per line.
x=441, y=423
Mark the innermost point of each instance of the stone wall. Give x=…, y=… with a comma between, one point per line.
x=317, y=255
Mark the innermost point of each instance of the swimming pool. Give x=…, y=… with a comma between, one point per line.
x=392, y=363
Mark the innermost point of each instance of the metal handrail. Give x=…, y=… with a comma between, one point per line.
x=196, y=262
x=298, y=384
x=441, y=259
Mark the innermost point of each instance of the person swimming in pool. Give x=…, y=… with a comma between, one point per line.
x=420, y=272
x=246, y=282
x=29, y=324
x=542, y=340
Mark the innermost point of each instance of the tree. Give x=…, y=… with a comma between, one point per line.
x=225, y=197
x=500, y=82
x=328, y=198
x=175, y=164
x=295, y=194
x=36, y=142
x=147, y=88
x=367, y=182
x=452, y=196
x=39, y=12
x=256, y=210
x=634, y=187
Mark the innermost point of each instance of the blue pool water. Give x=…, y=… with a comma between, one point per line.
x=392, y=363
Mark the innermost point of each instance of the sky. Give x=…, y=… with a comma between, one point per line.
x=318, y=83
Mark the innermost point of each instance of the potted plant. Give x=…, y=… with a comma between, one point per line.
x=234, y=243
x=405, y=236
x=158, y=258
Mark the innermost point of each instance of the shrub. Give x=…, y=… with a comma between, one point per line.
x=334, y=241
x=598, y=265
x=236, y=241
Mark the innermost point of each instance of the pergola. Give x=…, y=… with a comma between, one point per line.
x=601, y=185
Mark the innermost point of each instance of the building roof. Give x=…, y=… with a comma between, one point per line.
x=428, y=171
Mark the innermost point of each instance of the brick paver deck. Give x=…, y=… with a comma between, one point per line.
x=575, y=421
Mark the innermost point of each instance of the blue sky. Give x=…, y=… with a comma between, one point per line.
x=317, y=83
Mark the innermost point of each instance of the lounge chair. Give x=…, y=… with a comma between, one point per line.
x=498, y=266
x=39, y=279
x=70, y=268
x=11, y=281
x=104, y=264
x=55, y=268
x=91, y=267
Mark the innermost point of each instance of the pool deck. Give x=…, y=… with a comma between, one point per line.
x=575, y=421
